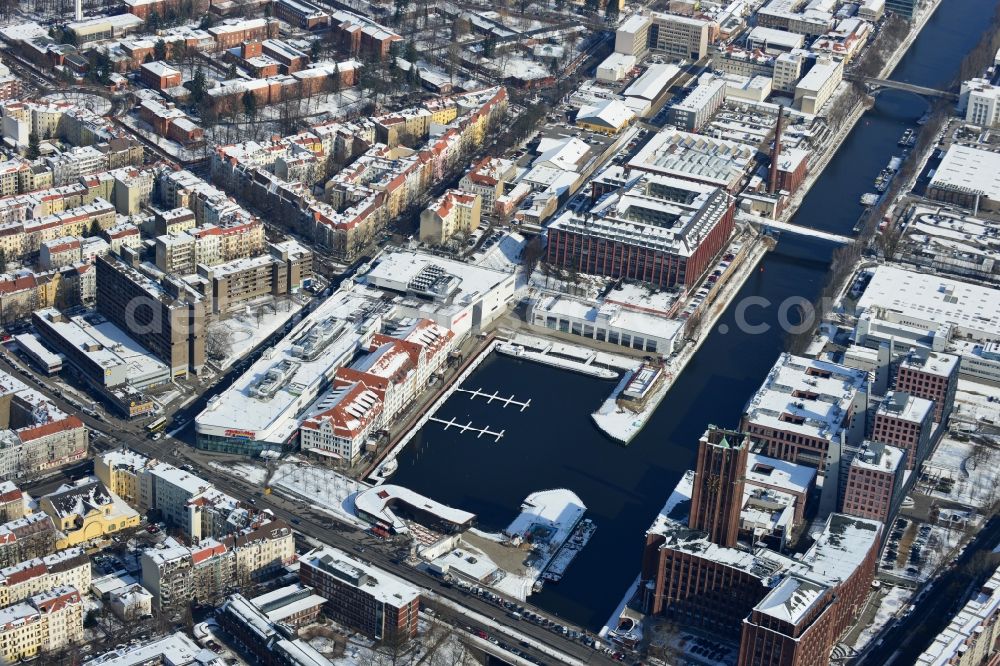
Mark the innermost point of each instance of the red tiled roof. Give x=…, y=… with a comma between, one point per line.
x=46, y=429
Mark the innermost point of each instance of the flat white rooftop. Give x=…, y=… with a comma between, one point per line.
x=106, y=345
x=906, y=407
x=806, y=396
x=971, y=170
x=673, y=152
x=779, y=473
x=265, y=402
x=380, y=584
x=933, y=298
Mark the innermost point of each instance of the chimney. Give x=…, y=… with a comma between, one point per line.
x=772, y=181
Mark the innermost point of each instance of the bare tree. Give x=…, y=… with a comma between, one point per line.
x=218, y=343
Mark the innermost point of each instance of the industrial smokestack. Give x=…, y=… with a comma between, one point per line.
x=772, y=181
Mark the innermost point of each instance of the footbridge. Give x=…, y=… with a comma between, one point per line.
x=788, y=227
x=875, y=86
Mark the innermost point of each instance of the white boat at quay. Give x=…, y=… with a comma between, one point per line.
x=388, y=468
x=518, y=351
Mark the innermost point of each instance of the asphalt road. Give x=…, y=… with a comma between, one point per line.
x=311, y=523
x=909, y=637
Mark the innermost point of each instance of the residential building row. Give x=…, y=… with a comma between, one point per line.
x=36, y=435
x=380, y=183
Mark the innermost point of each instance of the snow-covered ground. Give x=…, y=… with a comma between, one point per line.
x=623, y=424
x=977, y=402
x=253, y=325
x=890, y=603
x=324, y=489
x=505, y=255
x=967, y=472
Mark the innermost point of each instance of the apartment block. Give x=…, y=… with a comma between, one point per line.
x=971, y=637
x=454, y=212
x=46, y=623
x=168, y=317
x=361, y=597
x=36, y=435
x=159, y=75
x=486, y=178
x=905, y=422
x=24, y=580
x=358, y=35
x=932, y=376
x=12, y=502
x=681, y=37
x=176, y=574
x=235, y=284
x=875, y=482
x=31, y=536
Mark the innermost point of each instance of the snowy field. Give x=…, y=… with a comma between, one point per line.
x=976, y=401
x=505, y=255
x=967, y=472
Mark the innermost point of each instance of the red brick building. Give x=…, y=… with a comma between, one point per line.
x=718, y=485
x=930, y=375
x=906, y=422
x=356, y=35
x=874, y=487
x=301, y=14
x=361, y=597
x=800, y=620
x=664, y=241
x=234, y=32
x=159, y=75
x=804, y=407
x=793, y=165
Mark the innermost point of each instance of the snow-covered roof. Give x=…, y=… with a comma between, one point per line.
x=933, y=298
x=264, y=402
x=792, y=598
x=806, y=396
x=970, y=170
x=653, y=81
x=905, y=407
x=762, y=470
x=556, y=508
x=377, y=503
x=565, y=153
x=377, y=583
x=176, y=649
x=610, y=113
x=969, y=626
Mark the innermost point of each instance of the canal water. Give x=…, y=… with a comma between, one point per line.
x=554, y=444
